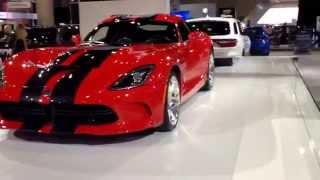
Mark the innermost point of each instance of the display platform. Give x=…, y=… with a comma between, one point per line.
x=308, y=67
x=249, y=127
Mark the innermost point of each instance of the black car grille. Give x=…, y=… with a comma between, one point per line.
x=80, y=114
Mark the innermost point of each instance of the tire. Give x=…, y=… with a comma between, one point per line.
x=172, y=105
x=224, y=62
x=210, y=79
x=229, y=62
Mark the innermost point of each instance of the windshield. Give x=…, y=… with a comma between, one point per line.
x=132, y=32
x=212, y=28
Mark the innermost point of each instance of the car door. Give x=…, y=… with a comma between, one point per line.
x=193, y=57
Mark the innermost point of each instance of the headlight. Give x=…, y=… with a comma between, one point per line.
x=133, y=79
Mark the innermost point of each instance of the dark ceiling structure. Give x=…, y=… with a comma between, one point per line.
x=309, y=10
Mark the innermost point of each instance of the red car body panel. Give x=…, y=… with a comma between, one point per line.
x=136, y=109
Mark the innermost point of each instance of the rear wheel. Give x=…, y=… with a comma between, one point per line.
x=172, y=106
x=210, y=80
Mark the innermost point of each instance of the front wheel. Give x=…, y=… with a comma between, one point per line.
x=172, y=105
x=210, y=79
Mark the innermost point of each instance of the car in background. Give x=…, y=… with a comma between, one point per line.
x=5, y=49
x=284, y=35
x=39, y=37
x=260, y=41
x=130, y=74
x=227, y=34
x=7, y=42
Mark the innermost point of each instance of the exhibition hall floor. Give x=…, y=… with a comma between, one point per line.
x=250, y=127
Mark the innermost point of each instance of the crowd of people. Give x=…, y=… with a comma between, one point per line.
x=15, y=39
x=285, y=34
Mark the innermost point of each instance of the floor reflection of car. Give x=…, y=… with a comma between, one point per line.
x=260, y=41
x=130, y=74
x=226, y=33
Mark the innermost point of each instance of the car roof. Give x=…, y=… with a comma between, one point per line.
x=213, y=19
x=156, y=17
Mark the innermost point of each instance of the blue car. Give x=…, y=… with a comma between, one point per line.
x=260, y=41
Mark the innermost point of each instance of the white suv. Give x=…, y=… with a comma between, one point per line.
x=227, y=35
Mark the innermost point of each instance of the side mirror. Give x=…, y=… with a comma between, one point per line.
x=196, y=35
x=76, y=39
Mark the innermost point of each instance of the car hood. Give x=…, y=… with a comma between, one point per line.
x=45, y=56
x=30, y=73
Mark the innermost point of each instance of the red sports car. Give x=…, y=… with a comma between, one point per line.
x=130, y=74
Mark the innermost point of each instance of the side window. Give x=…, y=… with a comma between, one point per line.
x=235, y=28
x=184, y=30
x=100, y=35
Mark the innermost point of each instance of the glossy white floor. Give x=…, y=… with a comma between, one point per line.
x=249, y=127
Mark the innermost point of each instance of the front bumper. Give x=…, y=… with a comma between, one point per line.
x=227, y=53
x=112, y=113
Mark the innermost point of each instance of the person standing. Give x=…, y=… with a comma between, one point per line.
x=7, y=34
x=21, y=38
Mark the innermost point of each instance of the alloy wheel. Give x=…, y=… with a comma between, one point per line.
x=173, y=100
x=211, y=70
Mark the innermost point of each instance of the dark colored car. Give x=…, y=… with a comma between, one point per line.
x=260, y=41
x=284, y=35
x=41, y=37
x=7, y=42
x=48, y=37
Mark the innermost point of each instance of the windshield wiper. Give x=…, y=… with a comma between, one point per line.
x=94, y=42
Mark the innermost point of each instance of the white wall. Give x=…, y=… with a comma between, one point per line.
x=94, y=12
x=196, y=9
x=45, y=12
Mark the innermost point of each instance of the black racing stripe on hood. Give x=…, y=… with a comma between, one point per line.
x=33, y=88
x=65, y=91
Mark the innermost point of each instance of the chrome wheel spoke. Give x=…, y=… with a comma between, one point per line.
x=211, y=70
x=173, y=101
